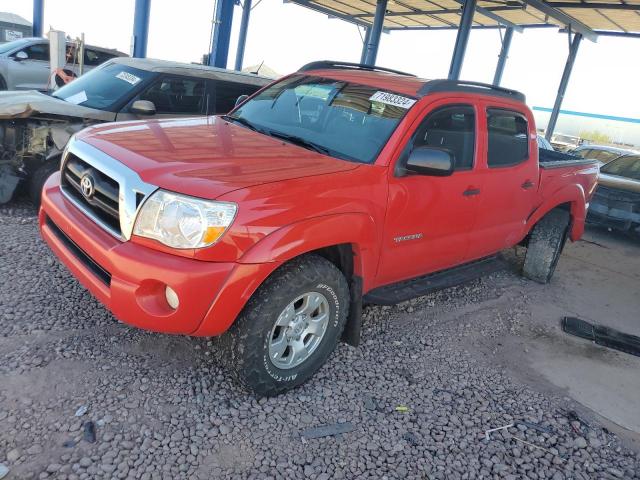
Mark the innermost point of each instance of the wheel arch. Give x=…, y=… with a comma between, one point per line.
x=570, y=198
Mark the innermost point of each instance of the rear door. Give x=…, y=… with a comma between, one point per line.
x=429, y=218
x=509, y=177
x=223, y=95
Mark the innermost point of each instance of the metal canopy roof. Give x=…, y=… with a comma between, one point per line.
x=617, y=17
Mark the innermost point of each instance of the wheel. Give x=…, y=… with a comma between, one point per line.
x=39, y=177
x=545, y=245
x=289, y=327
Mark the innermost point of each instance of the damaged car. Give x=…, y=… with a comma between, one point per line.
x=34, y=127
x=616, y=202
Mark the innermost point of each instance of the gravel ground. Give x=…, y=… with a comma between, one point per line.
x=417, y=395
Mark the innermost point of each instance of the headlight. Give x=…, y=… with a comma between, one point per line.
x=180, y=221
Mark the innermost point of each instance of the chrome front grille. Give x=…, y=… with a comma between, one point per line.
x=104, y=189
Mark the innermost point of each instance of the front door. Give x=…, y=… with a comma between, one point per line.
x=429, y=218
x=31, y=73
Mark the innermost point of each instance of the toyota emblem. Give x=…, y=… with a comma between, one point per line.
x=87, y=186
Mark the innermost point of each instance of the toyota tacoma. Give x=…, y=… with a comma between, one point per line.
x=338, y=185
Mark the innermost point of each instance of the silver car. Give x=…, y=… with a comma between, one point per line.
x=24, y=63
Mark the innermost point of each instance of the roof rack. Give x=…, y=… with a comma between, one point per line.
x=330, y=64
x=435, y=86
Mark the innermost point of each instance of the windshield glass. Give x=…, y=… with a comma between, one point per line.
x=624, y=167
x=104, y=88
x=342, y=119
x=9, y=46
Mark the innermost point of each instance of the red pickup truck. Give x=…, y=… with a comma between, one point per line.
x=336, y=185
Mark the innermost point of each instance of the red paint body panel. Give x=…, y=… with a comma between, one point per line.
x=292, y=201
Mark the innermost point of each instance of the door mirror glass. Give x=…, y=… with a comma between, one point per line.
x=21, y=55
x=241, y=99
x=433, y=161
x=143, y=107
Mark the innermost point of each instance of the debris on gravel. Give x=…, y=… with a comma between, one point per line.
x=162, y=407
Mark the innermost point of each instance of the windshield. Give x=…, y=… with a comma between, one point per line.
x=9, y=46
x=628, y=166
x=104, y=88
x=342, y=119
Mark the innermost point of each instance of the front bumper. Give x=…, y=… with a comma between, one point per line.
x=130, y=279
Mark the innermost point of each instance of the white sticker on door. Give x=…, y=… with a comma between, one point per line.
x=392, y=99
x=128, y=77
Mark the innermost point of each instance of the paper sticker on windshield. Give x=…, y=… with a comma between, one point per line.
x=77, y=98
x=392, y=99
x=128, y=77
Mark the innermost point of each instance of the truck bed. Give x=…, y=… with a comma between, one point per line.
x=553, y=159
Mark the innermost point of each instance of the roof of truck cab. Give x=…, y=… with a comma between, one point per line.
x=191, y=70
x=410, y=85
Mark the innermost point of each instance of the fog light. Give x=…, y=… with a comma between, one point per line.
x=172, y=297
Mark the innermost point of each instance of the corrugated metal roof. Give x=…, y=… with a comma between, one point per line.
x=13, y=18
x=602, y=16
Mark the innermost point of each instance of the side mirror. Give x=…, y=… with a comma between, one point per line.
x=143, y=107
x=432, y=161
x=241, y=99
x=21, y=55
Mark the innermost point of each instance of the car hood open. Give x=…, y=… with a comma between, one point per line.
x=24, y=104
x=206, y=157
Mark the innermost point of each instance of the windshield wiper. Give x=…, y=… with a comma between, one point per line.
x=300, y=141
x=242, y=121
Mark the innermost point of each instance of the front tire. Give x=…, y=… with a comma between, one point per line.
x=545, y=246
x=289, y=327
x=38, y=179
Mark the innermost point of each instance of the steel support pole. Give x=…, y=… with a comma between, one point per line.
x=367, y=37
x=141, y=28
x=38, y=17
x=504, y=54
x=464, y=30
x=371, y=52
x=221, y=37
x=242, y=36
x=566, y=75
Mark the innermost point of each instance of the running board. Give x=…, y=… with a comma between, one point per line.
x=416, y=287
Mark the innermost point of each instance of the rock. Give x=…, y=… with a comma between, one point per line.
x=580, y=442
x=13, y=455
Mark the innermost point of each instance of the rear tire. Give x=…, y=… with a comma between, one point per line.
x=262, y=348
x=38, y=179
x=545, y=245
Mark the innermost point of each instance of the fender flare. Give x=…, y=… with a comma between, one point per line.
x=357, y=229
x=571, y=194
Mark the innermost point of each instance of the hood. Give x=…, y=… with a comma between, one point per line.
x=23, y=104
x=619, y=183
x=206, y=157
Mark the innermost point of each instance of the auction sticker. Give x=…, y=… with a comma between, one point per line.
x=392, y=99
x=128, y=77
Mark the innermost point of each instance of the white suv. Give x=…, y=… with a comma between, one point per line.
x=24, y=63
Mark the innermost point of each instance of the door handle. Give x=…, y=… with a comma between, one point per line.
x=471, y=191
x=528, y=184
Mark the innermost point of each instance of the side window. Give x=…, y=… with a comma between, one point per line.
x=96, y=57
x=585, y=153
x=508, y=138
x=176, y=95
x=226, y=94
x=451, y=128
x=38, y=52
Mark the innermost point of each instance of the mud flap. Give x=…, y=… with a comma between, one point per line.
x=352, y=329
x=601, y=335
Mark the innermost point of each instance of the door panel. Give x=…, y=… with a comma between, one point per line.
x=429, y=218
x=509, y=178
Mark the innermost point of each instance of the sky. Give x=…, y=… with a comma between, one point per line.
x=286, y=36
